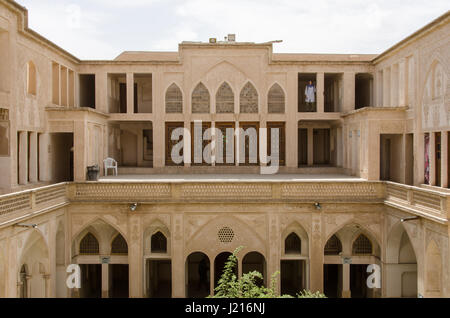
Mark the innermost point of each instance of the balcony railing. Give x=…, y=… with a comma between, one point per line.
x=418, y=201
x=19, y=205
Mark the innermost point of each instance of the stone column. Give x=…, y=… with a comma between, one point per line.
x=387, y=87
x=44, y=140
x=130, y=93
x=316, y=254
x=432, y=158
x=135, y=257
x=310, y=146
x=346, y=292
x=373, y=151
x=80, y=153
x=178, y=261
x=444, y=159
x=402, y=83
x=291, y=120
x=101, y=92
x=320, y=77
x=349, y=92
x=273, y=256
x=33, y=163
x=105, y=280
x=23, y=157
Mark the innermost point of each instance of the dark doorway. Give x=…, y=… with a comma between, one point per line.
x=62, y=157
x=219, y=265
x=118, y=281
x=91, y=281
x=332, y=281
x=159, y=278
x=302, y=147
x=255, y=261
x=292, y=277
x=198, y=275
x=87, y=90
x=321, y=146
x=123, y=98
x=358, y=281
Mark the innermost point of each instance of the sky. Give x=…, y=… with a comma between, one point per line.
x=102, y=29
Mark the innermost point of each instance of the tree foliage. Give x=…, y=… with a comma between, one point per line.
x=229, y=286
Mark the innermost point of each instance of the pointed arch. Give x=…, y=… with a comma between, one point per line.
x=158, y=243
x=276, y=100
x=292, y=244
x=362, y=245
x=31, y=78
x=119, y=245
x=333, y=246
x=224, y=99
x=248, y=99
x=200, y=99
x=36, y=258
x=174, y=99
x=89, y=245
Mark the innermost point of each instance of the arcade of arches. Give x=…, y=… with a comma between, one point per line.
x=145, y=256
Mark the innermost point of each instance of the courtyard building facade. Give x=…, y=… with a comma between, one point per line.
x=363, y=176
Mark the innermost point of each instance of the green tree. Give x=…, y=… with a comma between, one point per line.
x=229, y=286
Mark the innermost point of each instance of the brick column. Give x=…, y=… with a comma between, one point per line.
x=80, y=153
x=346, y=292
x=135, y=257
x=432, y=158
x=23, y=157
x=178, y=261
x=320, y=77
x=130, y=93
x=105, y=280
x=316, y=254
x=33, y=163
x=349, y=92
x=444, y=159
x=291, y=121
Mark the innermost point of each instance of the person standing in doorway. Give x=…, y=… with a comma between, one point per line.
x=310, y=94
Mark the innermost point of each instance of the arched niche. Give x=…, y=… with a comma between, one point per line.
x=152, y=232
x=295, y=229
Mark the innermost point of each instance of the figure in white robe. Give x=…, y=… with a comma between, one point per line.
x=310, y=94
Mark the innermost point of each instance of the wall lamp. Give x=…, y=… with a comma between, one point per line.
x=317, y=205
x=133, y=207
x=27, y=225
x=409, y=219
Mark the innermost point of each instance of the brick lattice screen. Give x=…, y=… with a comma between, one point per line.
x=200, y=99
x=248, y=99
x=225, y=99
x=174, y=99
x=276, y=100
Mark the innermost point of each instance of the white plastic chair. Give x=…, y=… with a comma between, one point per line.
x=110, y=163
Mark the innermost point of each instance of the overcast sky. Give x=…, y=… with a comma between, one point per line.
x=102, y=29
